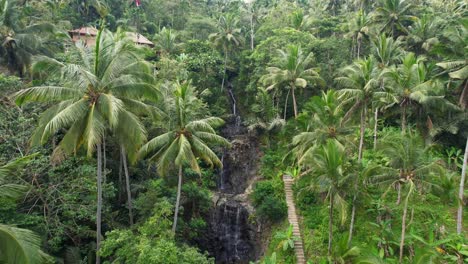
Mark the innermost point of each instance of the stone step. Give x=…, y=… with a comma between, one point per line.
x=293, y=220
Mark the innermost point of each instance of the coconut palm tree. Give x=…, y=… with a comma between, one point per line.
x=325, y=122
x=294, y=70
x=19, y=42
x=362, y=89
x=16, y=244
x=102, y=91
x=410, y=165
x=329, y=177
x=414, y=87
x=392, y=16
x=166, y=41
x=386, y=50
x=457, y=68
x=358, y=31
x=189, y=140
x=227, y=38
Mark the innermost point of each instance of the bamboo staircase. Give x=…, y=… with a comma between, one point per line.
x=292, y=217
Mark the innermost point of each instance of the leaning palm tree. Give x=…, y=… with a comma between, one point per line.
x=188, y=140
x=294, y=70
x=410, y=165
x=393, y=15
x=102, y=91
x=329, y=177
x=17, y=245
x=227, y=38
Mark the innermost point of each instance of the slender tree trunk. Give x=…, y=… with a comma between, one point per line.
x=127, y=184
x=361, y=146
x=104, y=165
x=120, y=177
x=399, y=192
x=293, y=87
x=403, y=228
x=362, y=132
x=358, y=47
x=403, y=119
x=286, y=105
x=176, y=211
x=99, y=202
x=461, y=191
x=225, y=68
x=376, y=124
x=330, y=225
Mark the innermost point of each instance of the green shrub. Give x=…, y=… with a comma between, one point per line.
x=267, y=197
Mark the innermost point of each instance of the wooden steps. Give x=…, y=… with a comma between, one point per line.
x=292, y=217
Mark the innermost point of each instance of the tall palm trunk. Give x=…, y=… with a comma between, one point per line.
x=293, y=87
x=99, y=202
x=176, y=211
x=286, y=105
x=330, y=225
x=120, y=178
x=403, y=226
x=461, y=191
x=358, y=47
x=362, y=131
x=376, y=124
x=361, y=147
x=127, y=184
x=104, y=165
x=403, y=118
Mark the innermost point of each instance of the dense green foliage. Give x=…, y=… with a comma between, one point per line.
x=110, y=152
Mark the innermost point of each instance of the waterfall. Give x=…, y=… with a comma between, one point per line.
x=233, y=238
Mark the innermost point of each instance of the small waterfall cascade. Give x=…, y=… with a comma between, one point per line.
x=233, y=238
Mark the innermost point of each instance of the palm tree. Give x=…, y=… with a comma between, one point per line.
x=413, y=86
x=411, y=165
x=16, y=244
x=393, y=16
x=20, y=42
x=166, y=41
x=362, y=89
x=386, y=50
x=186, y=142
x=325, y=122
x=358, y=30
x=102, y=91
x=294, y=70
x=227, y=37
x=457, y=67
x=329, y=177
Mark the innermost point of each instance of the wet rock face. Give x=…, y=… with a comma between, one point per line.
x=232, y=237
x=240, y=166
x=234, y=240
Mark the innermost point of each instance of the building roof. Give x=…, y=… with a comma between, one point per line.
x=92, y=31
x=139, y=39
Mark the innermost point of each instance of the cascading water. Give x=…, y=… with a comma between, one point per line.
x=233, y=238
